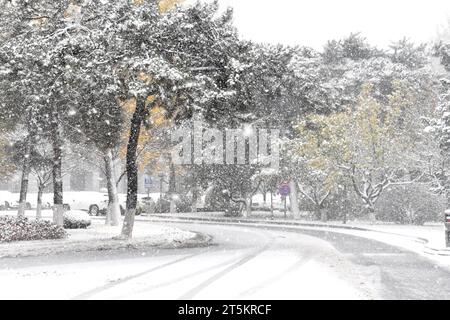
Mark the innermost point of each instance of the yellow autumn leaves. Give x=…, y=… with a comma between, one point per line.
x=362, y=134
x=164, y=5
x=156, y=117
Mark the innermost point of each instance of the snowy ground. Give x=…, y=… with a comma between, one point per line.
x=427, y=240
x=245, y=264
x=247, y=261
x=100, y=237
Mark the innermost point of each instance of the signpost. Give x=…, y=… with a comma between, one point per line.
x=284, y=190
x=161, y=180
x=148, y=182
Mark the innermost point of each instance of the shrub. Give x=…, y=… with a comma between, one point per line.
x=76, y=220
x=410, y=204
x=162, y=205
x=22, y=229
x=183, y=204
x=215, y=200
x=148, y=205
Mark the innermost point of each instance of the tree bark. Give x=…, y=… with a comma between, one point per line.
x=132, y=170
x=58, y=204
x=172, y=186
x=39, y=202
x=26, y=168
x=371, y=213
x=248, y=208
x=293, y=199
x=113, y=211
x=194, y=199
x=194, y=190
x=271, y=203
x=323, y=214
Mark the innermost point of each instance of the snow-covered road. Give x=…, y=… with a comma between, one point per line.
x=245, y=263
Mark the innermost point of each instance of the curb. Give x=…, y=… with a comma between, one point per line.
x=198, y=241
x=425, y=242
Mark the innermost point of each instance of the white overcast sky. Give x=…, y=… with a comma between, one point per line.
x=313, y=22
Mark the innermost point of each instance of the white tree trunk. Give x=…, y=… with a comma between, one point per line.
x=194, y=199
x=58, y=214
x=293, y=198
x=39, y=211
x=248, y=208
x=57, y=144
x=371, y=216
x=113, y=210
x=271, y=203
x=21, y=209
x=39, y=203
x=173, y=206
x=323, y=215
x=128, y=224
x=24, y=183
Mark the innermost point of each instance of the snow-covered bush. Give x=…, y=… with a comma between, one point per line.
x=76, y=220
x=183, y=204
x=215, y=200
x=22, y=229
x=410, y=204
x=162, y=205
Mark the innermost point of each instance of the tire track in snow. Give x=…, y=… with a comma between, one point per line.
x=184, y=277
x=90, y=293
x=93, y=292
x=275, y=278
x=194, y=291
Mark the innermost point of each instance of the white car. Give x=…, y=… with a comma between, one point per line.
x=95, y=203
x=9, y=200
x=92, y=202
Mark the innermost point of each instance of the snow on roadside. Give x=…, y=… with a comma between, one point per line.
x=101, y=237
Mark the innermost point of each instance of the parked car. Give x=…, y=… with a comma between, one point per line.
x=96, y=203
x=100, y=208
x=9, y=201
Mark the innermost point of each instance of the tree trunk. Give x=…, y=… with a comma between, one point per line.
x=371, y=213
x=26, y=168
x=346, y=205
x=344, y=218
x=248, y=208
x=173, y=206
x=194, y=199
x=58, y=204
x=132, y=170
x=323, y=214
x=113, y=211
x=271, y=203
x=194, y=192
x=172, y=186
x=39, y=202
x=293, y=198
